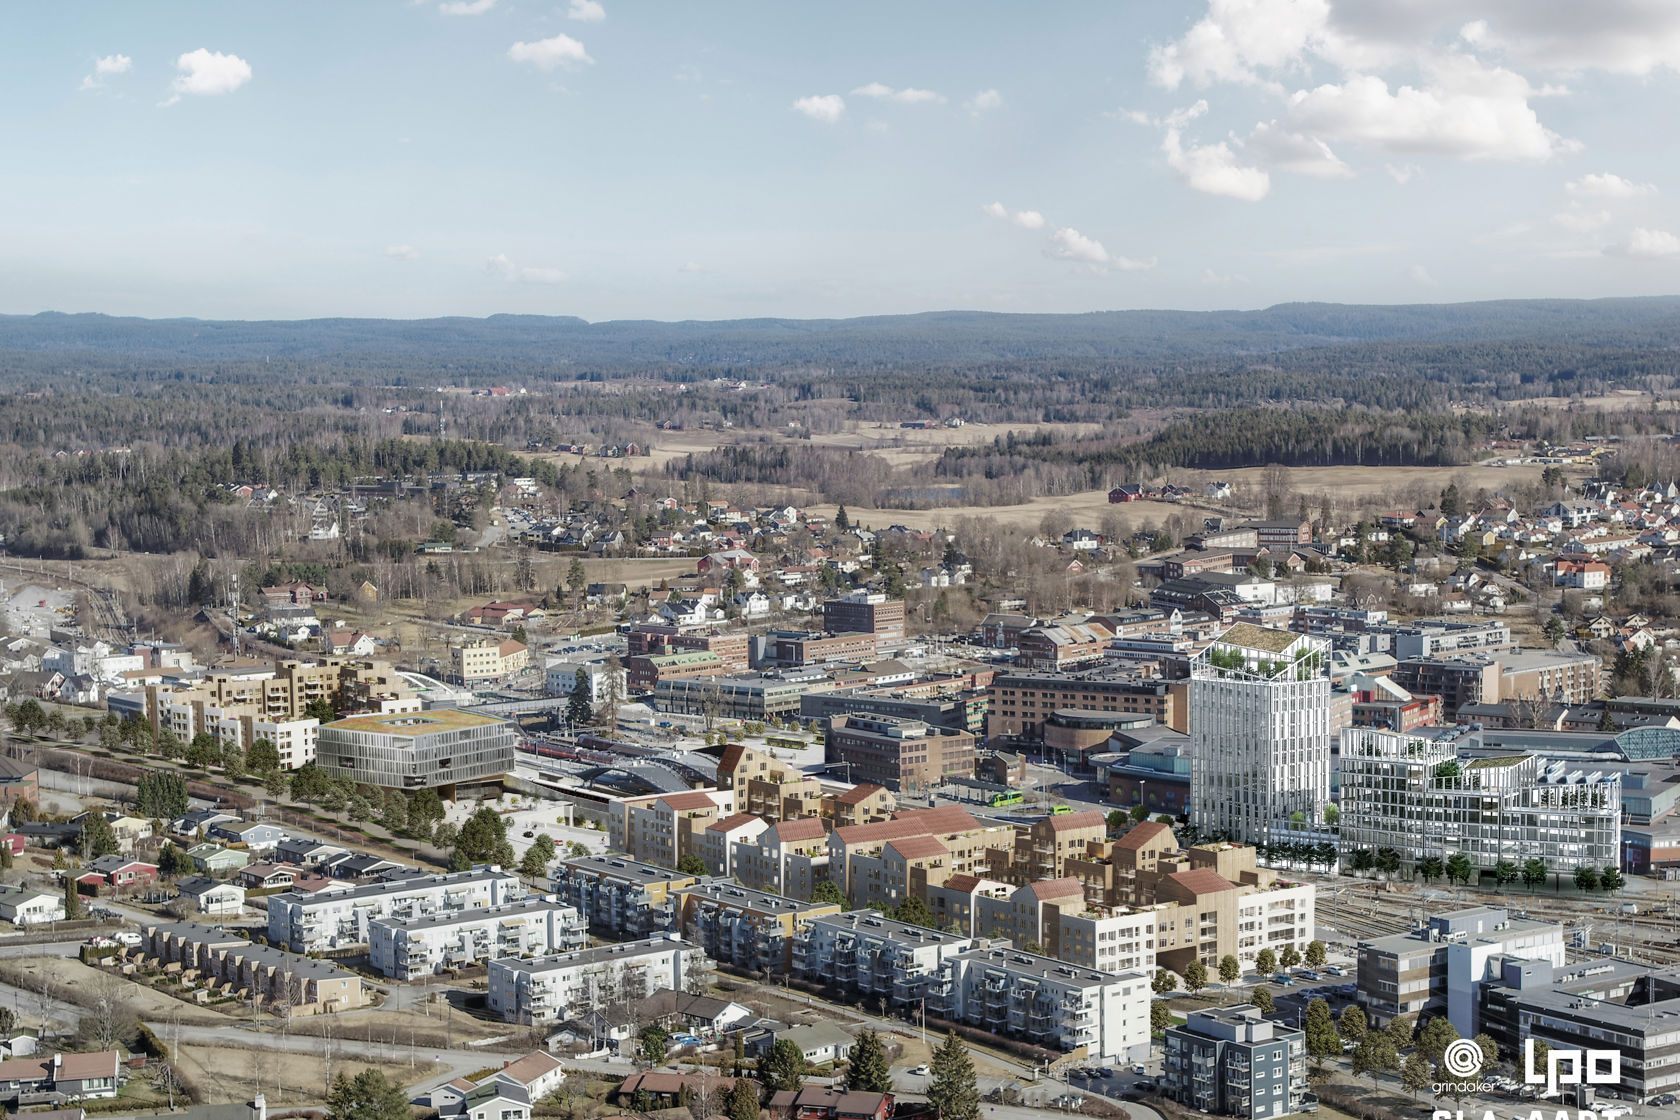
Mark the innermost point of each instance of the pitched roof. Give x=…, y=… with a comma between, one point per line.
x=800, y=828
x=731, y=757
x=682, y=802
x=1088, y=818
x=1056, y=888
x=80, y=1067
x=1139, y=834
x=963, y=883
x=858, y=793
x=530, y=1067
x=1202, y=880
x=919, y=847
x=732, y=822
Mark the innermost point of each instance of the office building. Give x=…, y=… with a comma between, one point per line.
x=307, y=922
x=417, y=750
x=415, y=947
x=1260, y=716
x=1233, y=1061
x=900, y=755
x=1438, y=969
x=864, y=612
x=1617, y=1005
x=754, y=696
x=1020, y=701
x=1424, y=794
x=569, y=985
x=1538, y=676
x=488, y=661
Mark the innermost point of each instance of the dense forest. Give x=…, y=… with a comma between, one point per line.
x=124, y=433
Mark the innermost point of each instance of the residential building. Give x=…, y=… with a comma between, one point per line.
x=211, y=896
x=1046, y=1002
x=491, y=1099
x=619, y=895
x=888, y=861
x=61, y=1077
x=767, y=787
x=330, y=920
x=1432, y=793
x=661, y=828
x=750, y=930
x=870, y=957
x=417, y=750
x=718, y=843
x=1233, y=1061
x=25, y=907
x=485, y=661
x=864, y=803
x=565, y=985
x=407, y=948
x=1260, y=733
x=1439, y=968
x=307, y=985
x=789, y=858
x=1436, y=638
x=901, y=755
x=1043, y=848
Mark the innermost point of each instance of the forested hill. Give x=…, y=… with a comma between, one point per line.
x=946, y=337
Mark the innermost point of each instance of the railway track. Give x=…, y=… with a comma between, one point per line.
x=99, y=610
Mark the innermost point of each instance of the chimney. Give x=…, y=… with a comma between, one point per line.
x=259, y=1108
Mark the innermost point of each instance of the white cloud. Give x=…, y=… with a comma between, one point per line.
x=107, y=67
x=907, y=96
x=1650, y=243
x=1026, y=219
x=500, y=265
x=1621, y=36
x=586, y=11
x=1221, y=279
x=825, y=107
x=1608, y=186
x=984, y=101
x=1403, y=172
x=1466, y=110
x=206, y=73
x=1282, y=150
x=466, y=7
x=1213, y=168
x=1581, y=221
x=690, y=267
x=1420, y=275
x=1240, y=39
x=1068, y=244
x=402, y=252
x=561, y=50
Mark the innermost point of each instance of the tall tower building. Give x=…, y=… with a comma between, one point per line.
x=1260, y=733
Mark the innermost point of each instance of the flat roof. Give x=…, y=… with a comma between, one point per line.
x=477, y=914
x=413, y=724
x=408, y=885
x=595, y=955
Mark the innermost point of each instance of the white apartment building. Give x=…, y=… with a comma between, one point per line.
x=1275, y=918
x=565, y=985
x=1047, y=1001
x=1106, y=941
x=409, y=948
x=560, y=677
x=1260, y=733
x=294, y=738
x=1416, y=793
x=866, y=953
x=304, y=922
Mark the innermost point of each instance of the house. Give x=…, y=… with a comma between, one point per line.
x=349, y=643
x=23, y=907
x=119, y=872
x=213, y=859
x=539, y=1073
x=199, y=820
x=1130, y=492
x=821, y=1043
x=257, y=836
x=210, y=896
x=268, y=876
x=663, y=1089
x=491, y=1099
x=85, y=1076
x=815, y=1102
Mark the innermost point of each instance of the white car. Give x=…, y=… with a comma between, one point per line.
x=920, y=1071
x=126, y=937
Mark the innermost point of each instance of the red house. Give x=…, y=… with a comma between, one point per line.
x=816, y=1102
x=1127, y=493
x=118, y=871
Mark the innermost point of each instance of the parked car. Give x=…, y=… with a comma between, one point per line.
x=1145, y=1087
x=1336, y=970
x=126, y=937
x=1665, y=1100
x=920, y=1071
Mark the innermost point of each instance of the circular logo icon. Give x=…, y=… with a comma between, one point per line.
x=1462, y=1058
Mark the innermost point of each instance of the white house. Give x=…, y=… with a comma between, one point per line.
x=27, y=907
x=212, y=896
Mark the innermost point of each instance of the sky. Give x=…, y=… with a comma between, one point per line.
x=624, y=159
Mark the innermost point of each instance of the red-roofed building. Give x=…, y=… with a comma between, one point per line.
x=789, y=858
x=716, y=844
x=661, y=828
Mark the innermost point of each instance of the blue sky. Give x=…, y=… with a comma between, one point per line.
x=617, y=159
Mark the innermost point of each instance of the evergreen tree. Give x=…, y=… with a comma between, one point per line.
x=952, y=1090
x=742, y=1101
x=692, y=864
x=913, y=911
x=72, y=898
x=577, y=705
x=538, y=856
x=784, y=1067
x=483, y=838
x=866, y=1065
x=370, y=1095
x=161, y=795
x=173, y=861
x=98, y=838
